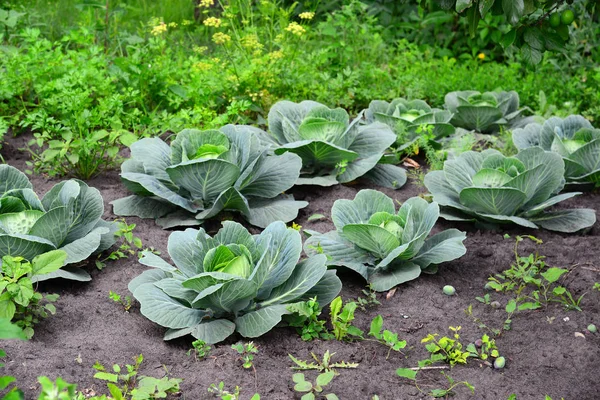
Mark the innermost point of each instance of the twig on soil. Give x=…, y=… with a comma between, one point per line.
x=433, y=367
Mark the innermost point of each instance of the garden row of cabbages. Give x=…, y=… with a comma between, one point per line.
x=335, y=294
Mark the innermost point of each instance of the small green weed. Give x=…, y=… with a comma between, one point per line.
x=342, y=316
x=313, y=390
x=117, y=298
x=445, y=349
x=200, y=349
x=123, y=384
x=387, y=338
x=130, y=244
x=246, y=352
x=321, y=365
x=305, y=318
x=21, y=303
x=219, y=391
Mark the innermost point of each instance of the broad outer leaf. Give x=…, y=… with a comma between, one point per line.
x=158, y=307
x=257, y=323
x=305, y=276
x=385, y=280
x=568, y=221
x=441, y=247
x=266, y=211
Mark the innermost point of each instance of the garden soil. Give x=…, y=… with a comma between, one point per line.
x=548, y=351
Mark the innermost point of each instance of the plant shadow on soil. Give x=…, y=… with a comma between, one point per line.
x=543, y=355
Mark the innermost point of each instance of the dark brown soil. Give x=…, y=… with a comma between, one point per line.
x=544, y=356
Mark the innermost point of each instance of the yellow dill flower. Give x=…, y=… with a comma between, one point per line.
x=172, y=25
x=221, y=38
x=202, y=66
x=159, y=29
x=307, y=15
x=186, y=22
x=252, y=43
x=199, y=49
x=206, y=3
x=212, y=21
x=295, y=28
x=481, y=56
x=276, y=55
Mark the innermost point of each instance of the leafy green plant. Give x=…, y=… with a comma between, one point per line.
x=449, y=390
x=574, y=139
x=333, y=149
x=246, y=352
x=14, y=393
x=532, y=272
x=305, y=318
x=322, y=364
x=130, y=244
x=125, y=302
x=341, y=316
x=496, y=189
x=387, y=338
x=446, y=349
x=83, y=155
x=58, y=390
x=409, y=118
x=126, y=385
x=18, y=299
x=484, y=348
x=386, y=247
x=68, y=218
x=483, y=112
x=369, y=300
x=200, y=349
x=313, y=390
x=230, y=282
x=205, y=172
x=220, y=391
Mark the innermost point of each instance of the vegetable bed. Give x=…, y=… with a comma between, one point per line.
x=548, y=351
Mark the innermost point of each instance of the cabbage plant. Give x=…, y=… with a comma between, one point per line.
x=384, y=246
x=333, y=149
x=205, y=172
x=483, y=112
x=493, y=188
x=68, y=218
x=410, y=120
x=574, y=139
x=230, y=282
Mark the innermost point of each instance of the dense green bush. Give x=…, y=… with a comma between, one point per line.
x=126, y=80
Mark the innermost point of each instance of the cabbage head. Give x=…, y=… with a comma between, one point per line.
x=230, y=282
x=68, y=218
x=496, y=189
x=483, y=112
x=384, y=246
x=205, y=172
x=333, y=149
x=409, y=118
x=574, y=139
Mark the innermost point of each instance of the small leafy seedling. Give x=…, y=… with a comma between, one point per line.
x=341, y=320
x=129, y=246
x=20, y=302
x=200, y=348
x=246, y=352
x=125, y=385
x=117, y=298
x=483, y=348
x=321, y=365
x=446, y=349
x=313, y=389
x=369, y=300
x=305, y=318
x=387, y=338
x=220, y=391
